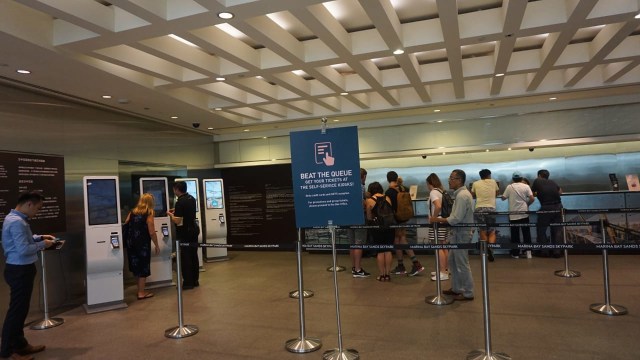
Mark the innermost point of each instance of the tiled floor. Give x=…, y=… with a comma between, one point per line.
x=243, y=311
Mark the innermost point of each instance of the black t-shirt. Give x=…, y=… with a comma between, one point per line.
x=547, y=191
x=393, y=196
x=186, y=209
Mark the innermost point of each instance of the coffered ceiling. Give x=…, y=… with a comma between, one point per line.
x=287, y=63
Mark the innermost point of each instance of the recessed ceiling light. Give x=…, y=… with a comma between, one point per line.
x=336, y=120
x=106, y=96
x=444, y=153
x=23, y=71
x=264, y=137
x=398, y=52
x=500, y=74
x=209, y=128
x=217, y=109
x=543, y=139
x=344, y=93
x=509, y=149
x=174, y=117
x=245, y=130
x=225, y=15
x=436, y=110
x=487, y=150
x=259, y=77
x=553, y=98
x=220, y=78
x=439, y=121
x=440, y=147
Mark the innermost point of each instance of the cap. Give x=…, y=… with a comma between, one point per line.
x=517, y=175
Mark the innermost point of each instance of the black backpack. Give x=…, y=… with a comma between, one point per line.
x=383, y=212
x=447, y=204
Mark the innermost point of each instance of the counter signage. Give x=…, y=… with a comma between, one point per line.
x=45, y=173
x=326, y=177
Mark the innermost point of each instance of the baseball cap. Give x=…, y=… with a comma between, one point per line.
x=517, y=175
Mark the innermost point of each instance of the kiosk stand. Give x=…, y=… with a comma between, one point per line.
x=47, y=322
x=214, y=214
x=192, y=188
x=105, y=260
x=161, y=265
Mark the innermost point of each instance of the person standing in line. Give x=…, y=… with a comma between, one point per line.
x=184, y=216
x=548, y=193
x=359, y=236
x=21, y=248
x=462, y=212
x=520, y=197
x=485, y=191
x=384, y=257
x=436, y=191
x=401, y=234
x=142, y=232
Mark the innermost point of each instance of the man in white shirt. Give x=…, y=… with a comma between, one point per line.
x=520, y=197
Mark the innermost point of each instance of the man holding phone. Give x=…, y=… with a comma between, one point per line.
x=21, y=251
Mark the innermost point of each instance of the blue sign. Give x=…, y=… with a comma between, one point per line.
x=326, y=177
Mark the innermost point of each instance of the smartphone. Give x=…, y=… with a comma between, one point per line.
x=115, y=241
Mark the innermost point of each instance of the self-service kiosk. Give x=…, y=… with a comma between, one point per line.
x=214, y=216
x=161, y=269
x=192, y=188
x=103, y=235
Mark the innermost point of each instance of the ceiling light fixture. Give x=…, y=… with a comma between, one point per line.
x=509, y=149
x=220, y=78
x=344, y=93
x=176, y=37
x=174, y=117
x=487, y=150
x=336, y=120
x=225, y=15
x=553, y=98
x=23, y=71
x=499, y=74
x=637, y=16
x=246, y=130
x=398, y=52
x=217, y=109
x=436, y=110
x=209, y=128
x=439, y=121
x=106, y=96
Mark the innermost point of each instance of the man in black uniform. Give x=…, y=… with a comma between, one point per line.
x=184, y=216
x=548, y=193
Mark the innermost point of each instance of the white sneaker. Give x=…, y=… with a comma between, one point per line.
x=433, y=273
x=443, y=276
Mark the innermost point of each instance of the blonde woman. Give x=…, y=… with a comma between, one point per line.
x=141, y=233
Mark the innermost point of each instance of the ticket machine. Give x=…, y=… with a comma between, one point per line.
x=161, y=267
x=192, y=188
x=103, y=235
x=214, y=215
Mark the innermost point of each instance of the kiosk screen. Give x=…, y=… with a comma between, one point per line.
x=192, y=188
x=157, y=188
x=213, y=191
x=102, y=202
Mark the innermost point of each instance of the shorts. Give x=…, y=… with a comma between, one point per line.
x=486, y=222
x=359, y=236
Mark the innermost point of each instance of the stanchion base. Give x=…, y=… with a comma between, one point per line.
x=295, y=294
x=303, y=346
x=338, y=268
x=481, y=355
x=608, y=309
x=345, y=354
x=47, y=324
x=181, y=332
x=567, y=273
x=438, y=300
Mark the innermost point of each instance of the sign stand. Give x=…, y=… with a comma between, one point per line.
x=607, y=308
x=48, y=322
x=340, y=353
x=301, y=344
x=566, y=272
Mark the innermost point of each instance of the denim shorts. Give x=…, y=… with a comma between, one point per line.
x=486, y=222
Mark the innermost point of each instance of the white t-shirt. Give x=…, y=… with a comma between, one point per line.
x=485, y=190
x=433, y=196
x=518, y=195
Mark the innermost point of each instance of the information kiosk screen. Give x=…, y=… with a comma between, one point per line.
x=157, y=188
x=213, y=191
x=192, y=188
x=102, y=202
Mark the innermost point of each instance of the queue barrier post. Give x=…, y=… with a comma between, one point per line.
x=180, y=331
x=295, y=294
x=301, y=344
x=607, y=308
x=47, y=322
x=566, y=272
x=439, y=298
x=339, y=353
x=487, y=354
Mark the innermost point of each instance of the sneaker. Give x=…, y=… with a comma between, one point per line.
x=433, y=273
x=360, y=274
x=443, y=276
x=515, y=256
x=399, y=270
x=353, y=270
x=416, y=269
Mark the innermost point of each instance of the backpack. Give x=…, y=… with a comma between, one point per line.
x=404, y=211
x=383, y=212
x=447, y=204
